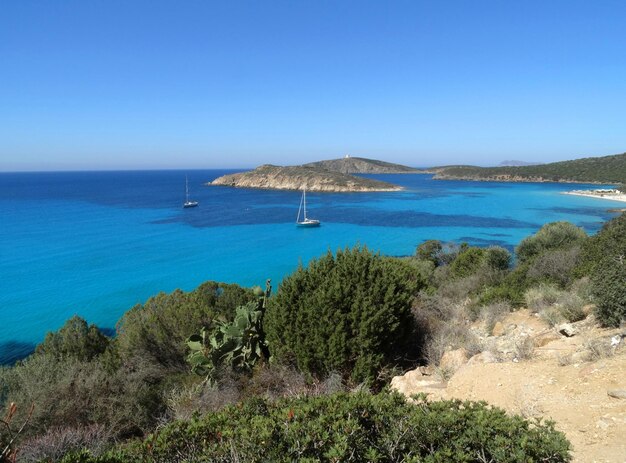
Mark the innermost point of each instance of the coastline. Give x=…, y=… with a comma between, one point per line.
x=613, y=195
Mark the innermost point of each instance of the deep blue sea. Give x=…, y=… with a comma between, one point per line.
x=96, y=243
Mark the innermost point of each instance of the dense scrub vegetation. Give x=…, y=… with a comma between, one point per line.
x=606, y=169
x=349, y=313
x=348, y=427
x=344, y=322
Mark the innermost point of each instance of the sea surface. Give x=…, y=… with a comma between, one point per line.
x=97, y=243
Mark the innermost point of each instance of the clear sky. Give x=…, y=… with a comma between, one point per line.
x=92, y=84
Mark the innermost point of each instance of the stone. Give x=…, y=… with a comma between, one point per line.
x=581, y=356
x=617, y=393
x=546, y=338
x=454, y=359
x=566, y=329
x=483, y=357
x=413, y=382
x=498, y=329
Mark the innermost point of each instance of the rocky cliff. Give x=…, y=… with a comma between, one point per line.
x=298, y=177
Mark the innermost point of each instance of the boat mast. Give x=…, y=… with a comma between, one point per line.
x=299, y=210
x=304, y=199
x=186, y=189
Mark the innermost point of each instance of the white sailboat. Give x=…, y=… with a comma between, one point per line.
x=305, y=222
x=188, y=203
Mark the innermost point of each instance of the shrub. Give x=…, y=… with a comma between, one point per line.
x=467, y=262
x=493, y=313
x=555, y=266
x=498, y=258
x=430, y=250
x=609, y=242
x=56, y=442
x=609, y=290
x=74, y=339
x=349, y=313
x=524, y=348
x=157, y=330
x=570, y=306
x=552, y=236
x=350, y=427
x=541, y=297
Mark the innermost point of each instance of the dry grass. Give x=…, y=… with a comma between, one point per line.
x=56, y=442
x=524, y=348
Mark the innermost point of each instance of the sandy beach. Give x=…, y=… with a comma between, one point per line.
x=614, y=195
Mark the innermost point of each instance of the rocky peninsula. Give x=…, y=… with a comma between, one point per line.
x=313, y=178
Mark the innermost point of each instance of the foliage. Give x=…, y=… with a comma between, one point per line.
x=498, y=258
x=56, y=442
x=349, y=313
x=10, y=430
x=349, y=427
x=541, y=297
x=552, y=236
x=467, y=262
x=238, y=344
x=158, y=329
x=609, y=242
x=429, y=250
x=609, y=288
x=556, y=266
x=605, y=169
x=74, y=339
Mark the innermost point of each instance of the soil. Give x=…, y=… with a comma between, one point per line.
x=567, y=380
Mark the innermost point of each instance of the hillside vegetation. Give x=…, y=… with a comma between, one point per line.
x=605, y=169
x=350, y=165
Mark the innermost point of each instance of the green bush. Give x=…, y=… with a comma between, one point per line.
x=609, y=289
x=349, y=313
x=430, y=250
x=158, y=329
x=552, y=236
x=498, y=258
x=467, y=262
x=349, y=427
x=609, y=242
x=75, y=339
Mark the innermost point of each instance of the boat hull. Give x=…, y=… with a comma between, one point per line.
x=308, y=224
x=190, y=204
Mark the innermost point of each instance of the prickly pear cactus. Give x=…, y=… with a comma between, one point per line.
x=239, y=344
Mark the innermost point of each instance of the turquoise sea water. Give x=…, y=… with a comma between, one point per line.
x=96, y=243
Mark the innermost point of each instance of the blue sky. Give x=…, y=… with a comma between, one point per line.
x=203, y=84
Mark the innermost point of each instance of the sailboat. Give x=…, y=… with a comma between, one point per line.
x=188, y=203
x=306, y=222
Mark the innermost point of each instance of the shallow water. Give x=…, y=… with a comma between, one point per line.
x=96, y=243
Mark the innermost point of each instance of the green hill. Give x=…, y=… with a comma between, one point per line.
x=605, y=169
x=354, y=165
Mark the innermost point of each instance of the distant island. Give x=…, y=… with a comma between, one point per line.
x=516, y=163
x=314, y=178
x=356, y=165
x=605, y=169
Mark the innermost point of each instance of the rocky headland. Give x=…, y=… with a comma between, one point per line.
x=312, y=178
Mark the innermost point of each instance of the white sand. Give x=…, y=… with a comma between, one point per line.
x=619, y=196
